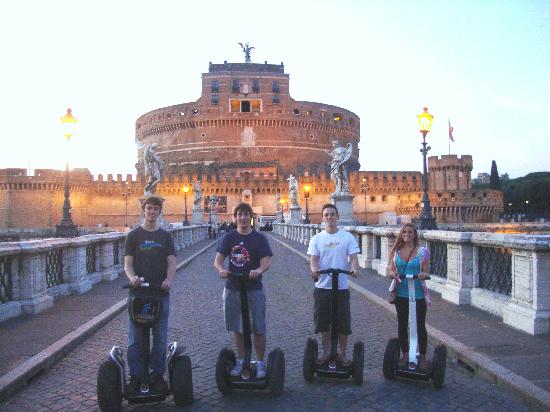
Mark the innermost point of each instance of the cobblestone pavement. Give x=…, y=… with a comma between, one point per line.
x=196, y=322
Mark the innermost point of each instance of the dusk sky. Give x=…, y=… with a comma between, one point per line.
x=485, y=65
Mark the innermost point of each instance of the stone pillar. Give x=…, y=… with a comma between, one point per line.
x=388, y=239
x=11, y=309
x=74, y=268
x=105, y=258
x=295, y=215
x=32, y=277
x=344, y=204
x=197, y=217
x=460, y=257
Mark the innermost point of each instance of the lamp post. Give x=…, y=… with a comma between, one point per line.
x=125, y=193
x=185, y=191
x=67, y=228
x=427, y=221
x=282, y=202
x=364, y=190
x=307, y=188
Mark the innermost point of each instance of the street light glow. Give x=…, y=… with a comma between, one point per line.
x=68, y=121
x=425, y=120
x=185, y=189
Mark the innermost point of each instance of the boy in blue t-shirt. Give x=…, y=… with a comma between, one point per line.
x=248, y=252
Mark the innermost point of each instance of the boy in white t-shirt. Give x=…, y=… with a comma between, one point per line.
x=332, y=248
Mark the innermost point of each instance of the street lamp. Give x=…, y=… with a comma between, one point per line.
x=282, y=202
x=185, y=191
x=307, y=188
x=67, y=228
x=364, y=190
x=125, y=193
x=425, y=124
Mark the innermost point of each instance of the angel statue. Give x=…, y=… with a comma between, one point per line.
x=277, y=202
x=293, y=191
x=197, y=191
x=213, y=204
x=340, y=155
x=153, y=168
x=246, y=49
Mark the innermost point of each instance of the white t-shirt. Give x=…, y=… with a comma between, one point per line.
x=333, y=250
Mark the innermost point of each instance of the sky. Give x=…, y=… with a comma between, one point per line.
x=485, y=65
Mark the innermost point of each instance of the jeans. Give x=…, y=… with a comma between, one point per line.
x=157, y=360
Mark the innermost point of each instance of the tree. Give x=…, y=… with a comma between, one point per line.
x=495, y=179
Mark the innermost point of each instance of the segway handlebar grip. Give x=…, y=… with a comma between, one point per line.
x=412, y=277
x=237, y=275
x=332, y=270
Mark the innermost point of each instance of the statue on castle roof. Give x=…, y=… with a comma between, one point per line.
x=153, y=168
x=246, y=49
x=338, y=171
x=197, y=191
x=293, y=191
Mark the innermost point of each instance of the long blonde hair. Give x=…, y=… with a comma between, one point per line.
x=399, y=242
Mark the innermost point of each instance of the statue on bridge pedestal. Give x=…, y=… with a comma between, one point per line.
x=340, y=155
x=293, y=191
x=153, y=168
x=197, y=192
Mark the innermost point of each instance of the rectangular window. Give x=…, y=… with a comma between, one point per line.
x=215, y=99
x=255, y=86
x=276, y=99
x=235, y=106
x=255, y=106
x=235, y=86
x=215, y=86
x=245, y=106
x=275, y=86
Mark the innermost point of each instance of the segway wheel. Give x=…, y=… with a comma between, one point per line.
x=109, y=391
x=182, y=380
x=358, y=362
x=391, y=358
x=226, y=362
x=276, y=372
x=439, y=364
x=310, y=357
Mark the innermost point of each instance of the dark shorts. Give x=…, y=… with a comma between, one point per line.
x=322, y=311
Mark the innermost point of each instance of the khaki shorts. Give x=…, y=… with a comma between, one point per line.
x=232, y=310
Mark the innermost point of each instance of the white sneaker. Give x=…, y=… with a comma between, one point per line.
x=260, y=369
x=237, y=369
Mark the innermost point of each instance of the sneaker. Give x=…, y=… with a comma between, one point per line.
x=260, y=370
x=158, y=383
x=237, y=369
x=133, y=386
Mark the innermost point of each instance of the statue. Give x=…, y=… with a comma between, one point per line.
x=246, y=49
x=277, y=202
x=213, y=204
x=340, y=155
x=153, y=168
x=293, y=191
x=197, y=191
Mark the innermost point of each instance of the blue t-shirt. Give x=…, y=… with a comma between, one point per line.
x=245, y=253
x=413, y=268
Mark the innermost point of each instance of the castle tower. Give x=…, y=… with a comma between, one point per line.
x=246, y=117
x=450, y=173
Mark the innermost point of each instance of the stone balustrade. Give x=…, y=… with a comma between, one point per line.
x=33, y=273
x=506, y=275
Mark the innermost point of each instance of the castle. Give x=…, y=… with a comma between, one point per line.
x=242, y=139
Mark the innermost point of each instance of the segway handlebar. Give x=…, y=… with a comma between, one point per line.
x=331, y=271
x=237, y=275
x=412, y=277
x=143, y=285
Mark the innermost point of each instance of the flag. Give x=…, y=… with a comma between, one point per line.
x=451, y=138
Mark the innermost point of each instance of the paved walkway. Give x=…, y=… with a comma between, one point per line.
x=196, y=322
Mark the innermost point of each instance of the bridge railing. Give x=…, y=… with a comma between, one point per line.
x=33, y=273
x=507, y=275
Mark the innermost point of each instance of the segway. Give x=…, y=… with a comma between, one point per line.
x=144, y=307
x=332, y=368
x=275, y=374
x=435, y=370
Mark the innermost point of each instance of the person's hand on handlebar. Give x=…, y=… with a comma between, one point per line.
x=135, y=281
x=224, y=274
x=315, y=276
x=166, y=285
x=422, y=276
x=254, y=274
x=394, y=275
x=354, y=273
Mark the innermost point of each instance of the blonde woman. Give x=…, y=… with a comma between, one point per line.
x=407, y=258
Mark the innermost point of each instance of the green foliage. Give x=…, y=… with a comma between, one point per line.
x=495, y=179
x=528, y=194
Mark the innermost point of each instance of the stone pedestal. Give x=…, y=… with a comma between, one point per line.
x=344, y=203
x=279, y=216
x=295, y=215
x=197, y=217
x=213, y=218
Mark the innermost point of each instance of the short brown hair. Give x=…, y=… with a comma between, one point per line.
x=152, y=200
x=243, y=207
x=328, y=206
